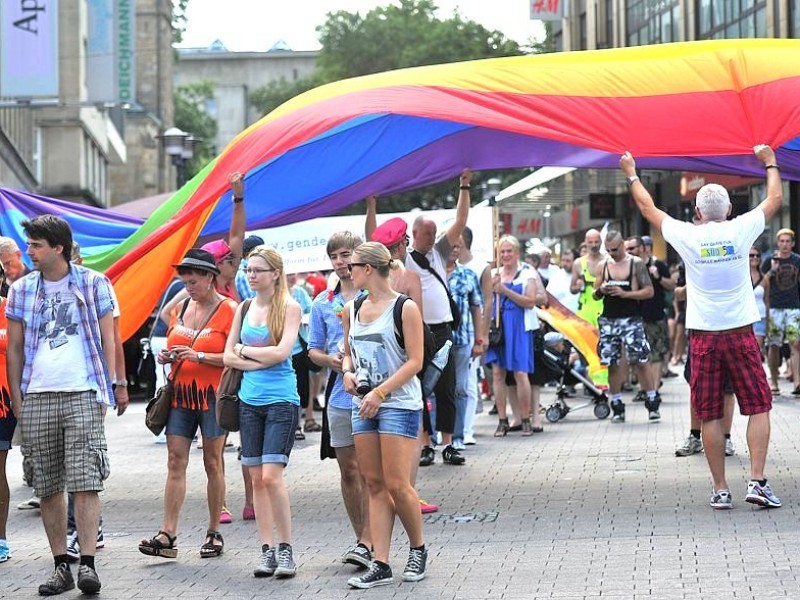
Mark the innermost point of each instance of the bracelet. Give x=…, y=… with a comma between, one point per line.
x=241, y=353
x=631, y=179
x=464, y=187
x=772, y=167
x=380, y=393
x=237, y=200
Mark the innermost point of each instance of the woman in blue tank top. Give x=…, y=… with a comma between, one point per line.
x=387, y=409
x=260, y=343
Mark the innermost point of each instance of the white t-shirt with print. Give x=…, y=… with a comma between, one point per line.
x=61, y=364
x=719, y=294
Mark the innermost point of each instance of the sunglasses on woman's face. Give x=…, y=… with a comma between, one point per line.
x=351, y=265
x=755, y=256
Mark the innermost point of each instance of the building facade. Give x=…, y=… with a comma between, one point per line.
x=235, y=75
x=601, y=24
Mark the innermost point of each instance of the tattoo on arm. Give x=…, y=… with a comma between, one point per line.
x=642, y=275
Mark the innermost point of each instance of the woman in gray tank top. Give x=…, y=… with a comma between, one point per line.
x=387, y=409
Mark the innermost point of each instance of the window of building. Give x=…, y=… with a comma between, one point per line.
x=720, y=19
x=653, y=22
x=794, y=18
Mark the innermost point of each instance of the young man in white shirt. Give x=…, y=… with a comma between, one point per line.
x=720, y=311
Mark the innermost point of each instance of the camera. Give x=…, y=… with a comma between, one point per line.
x=363, y=385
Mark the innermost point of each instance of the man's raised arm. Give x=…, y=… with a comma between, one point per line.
x=772, y=203
x=644, y=201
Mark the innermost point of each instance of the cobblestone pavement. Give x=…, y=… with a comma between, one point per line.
x=587, y=509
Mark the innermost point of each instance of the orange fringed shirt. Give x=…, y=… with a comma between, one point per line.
x=196, y=382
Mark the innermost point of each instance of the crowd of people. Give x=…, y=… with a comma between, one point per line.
x=369, y=330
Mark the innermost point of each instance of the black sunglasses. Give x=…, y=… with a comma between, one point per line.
x=755, y=256
x=351, y=265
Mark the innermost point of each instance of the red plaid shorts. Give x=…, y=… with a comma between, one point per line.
x=736, y=355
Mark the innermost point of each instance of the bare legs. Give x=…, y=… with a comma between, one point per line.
x=385, y=462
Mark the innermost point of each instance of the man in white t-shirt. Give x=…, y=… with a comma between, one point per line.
x=561, y=280
x=720, y=311
x=61, y=366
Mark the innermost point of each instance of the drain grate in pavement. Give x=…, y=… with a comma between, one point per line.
x=480, y=517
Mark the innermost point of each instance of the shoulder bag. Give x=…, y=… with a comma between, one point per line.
x=228, y=388
x=424, y=263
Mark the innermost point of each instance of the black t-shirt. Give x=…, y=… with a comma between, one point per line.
x=783, y=284
x=653, y=308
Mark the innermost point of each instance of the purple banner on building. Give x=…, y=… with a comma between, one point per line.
x=28, y=48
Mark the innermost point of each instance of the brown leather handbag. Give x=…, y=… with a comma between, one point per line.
x=228, y=388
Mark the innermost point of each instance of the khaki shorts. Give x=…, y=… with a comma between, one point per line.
x=65, y=434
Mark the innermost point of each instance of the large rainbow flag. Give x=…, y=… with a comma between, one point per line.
x=697, y=106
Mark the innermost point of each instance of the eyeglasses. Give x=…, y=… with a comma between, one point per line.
x=630, y=248
x=351, y=265
x=610, y=249
x=755, y=256
x=254, y=271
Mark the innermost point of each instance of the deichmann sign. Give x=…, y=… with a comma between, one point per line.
x=28, y=48
x=111, y=70
x=302, y=245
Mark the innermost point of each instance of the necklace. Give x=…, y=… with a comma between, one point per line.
x=206, y=312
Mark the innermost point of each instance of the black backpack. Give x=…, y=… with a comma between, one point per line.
x=429, y=340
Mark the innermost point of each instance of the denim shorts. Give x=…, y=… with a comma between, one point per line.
x=760, y=327
x=185, y=421
x=389, y=421
x=267, y=432
x=7, y=426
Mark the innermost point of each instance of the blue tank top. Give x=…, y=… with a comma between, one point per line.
x=270, y=385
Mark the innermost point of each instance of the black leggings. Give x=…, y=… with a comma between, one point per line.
x=300, y=364
x=445, y=390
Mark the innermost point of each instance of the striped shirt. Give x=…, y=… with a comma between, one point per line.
x=94, y=297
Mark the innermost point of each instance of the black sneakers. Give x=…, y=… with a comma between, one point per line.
x=618, y=410
x=452, y=456
x=415, y=566
x=88, y=581
x=60, y=581
x=427, y=456
x=377, y=574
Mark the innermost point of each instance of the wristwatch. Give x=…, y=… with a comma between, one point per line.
x=201, y=356
x=631, y=179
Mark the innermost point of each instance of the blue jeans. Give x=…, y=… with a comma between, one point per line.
x=389, y=421
x=267, y=432
x=461, y=357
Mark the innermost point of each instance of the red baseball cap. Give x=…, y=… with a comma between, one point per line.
x=391, y=233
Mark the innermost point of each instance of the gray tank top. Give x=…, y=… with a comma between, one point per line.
x=374, y=347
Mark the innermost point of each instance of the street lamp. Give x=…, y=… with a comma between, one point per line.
x=179, y=146
x=489, y=190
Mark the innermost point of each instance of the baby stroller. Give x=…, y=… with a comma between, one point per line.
x=556, y=357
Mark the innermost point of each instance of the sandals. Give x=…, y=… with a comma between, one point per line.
x=527, y=431
x=210, y=549
x=312, y=427
x=502, y=428
x=155, y=547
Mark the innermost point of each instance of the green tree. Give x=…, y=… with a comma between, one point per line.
x=404, y=35
x=191, y=116
x=179, y=19
x=395, y=37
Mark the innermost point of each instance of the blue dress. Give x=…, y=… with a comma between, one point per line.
x=516, y=352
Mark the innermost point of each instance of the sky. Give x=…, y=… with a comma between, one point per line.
x=255, y=25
